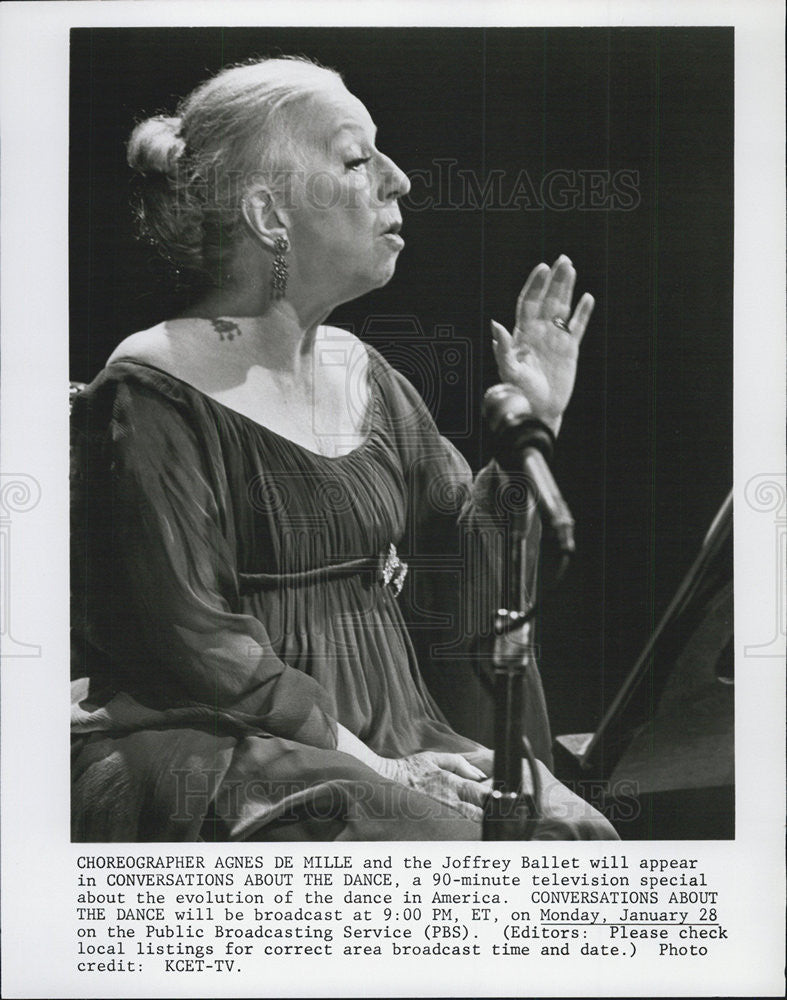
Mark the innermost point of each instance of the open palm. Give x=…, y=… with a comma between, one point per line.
x=540, y=356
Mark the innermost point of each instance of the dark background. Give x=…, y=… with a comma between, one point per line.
x=644, y=458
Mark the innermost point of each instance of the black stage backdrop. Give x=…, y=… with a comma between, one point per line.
x=614, y=146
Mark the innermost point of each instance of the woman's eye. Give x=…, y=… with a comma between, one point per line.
x=359, y=162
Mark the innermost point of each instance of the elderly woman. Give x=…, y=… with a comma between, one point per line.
x=241, y=471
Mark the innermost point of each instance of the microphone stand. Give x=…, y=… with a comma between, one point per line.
x=509, y=812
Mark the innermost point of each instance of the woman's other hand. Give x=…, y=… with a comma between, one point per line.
x=446, y=777
x=540, y=356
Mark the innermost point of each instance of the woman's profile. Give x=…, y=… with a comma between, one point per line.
x=249, y=482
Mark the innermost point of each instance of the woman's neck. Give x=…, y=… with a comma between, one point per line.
x=274, y=334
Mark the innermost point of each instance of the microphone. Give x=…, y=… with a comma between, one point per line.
x=524, y=444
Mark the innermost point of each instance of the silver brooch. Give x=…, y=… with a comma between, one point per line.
x=393, y=570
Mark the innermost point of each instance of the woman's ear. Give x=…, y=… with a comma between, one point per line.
x=261, y=217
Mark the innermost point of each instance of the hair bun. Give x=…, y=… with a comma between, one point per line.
x=155, y=146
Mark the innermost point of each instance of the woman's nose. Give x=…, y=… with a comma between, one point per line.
x=394, y=182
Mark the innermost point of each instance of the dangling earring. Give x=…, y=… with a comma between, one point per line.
x=279, y=275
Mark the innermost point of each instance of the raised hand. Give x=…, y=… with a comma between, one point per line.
x=540, y=356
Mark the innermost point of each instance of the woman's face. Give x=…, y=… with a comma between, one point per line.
x=343, y=218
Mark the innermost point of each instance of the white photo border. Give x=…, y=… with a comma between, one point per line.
x=38, y=857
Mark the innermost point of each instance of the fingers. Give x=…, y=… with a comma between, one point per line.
x=547, y=294
x=450, y=778
x=579, y=321
x=501, y=338
x=453, y=790
x=506, y=355
x=483, y=758
x=457, y=764
x=558, y=290
x=469, y=811
x=474, y=792
x=529, y=301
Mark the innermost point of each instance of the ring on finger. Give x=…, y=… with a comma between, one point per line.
x=560, y=323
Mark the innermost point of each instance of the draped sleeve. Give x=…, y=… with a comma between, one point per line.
x=157, y=615
x=457, y=544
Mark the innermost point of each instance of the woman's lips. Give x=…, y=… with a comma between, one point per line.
x=394, y=239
